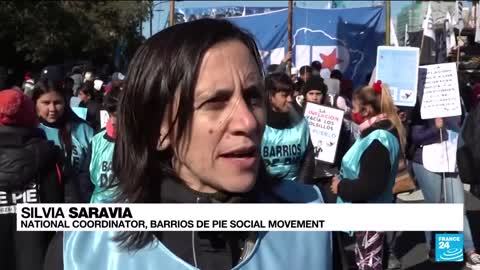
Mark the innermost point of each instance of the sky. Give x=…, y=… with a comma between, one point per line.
x=161, y=9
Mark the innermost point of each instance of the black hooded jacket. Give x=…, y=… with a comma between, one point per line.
x=28, y=174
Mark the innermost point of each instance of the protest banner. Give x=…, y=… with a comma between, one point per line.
x=441, y=95
x=325, y=124
x=398, y=68
x=349, y=47
x=104, y=116
x=80, y=112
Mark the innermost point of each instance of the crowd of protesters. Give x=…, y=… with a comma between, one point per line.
x=248, y=142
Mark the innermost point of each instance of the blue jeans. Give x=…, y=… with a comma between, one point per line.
x=431, y=185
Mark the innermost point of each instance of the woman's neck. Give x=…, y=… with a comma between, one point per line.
x=56, y=124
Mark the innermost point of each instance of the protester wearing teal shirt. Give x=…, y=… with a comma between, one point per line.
x=190, y=123
x=101, y=153
x=286, y=147
x=66, y=130
x=368, y=170
x=101, y=166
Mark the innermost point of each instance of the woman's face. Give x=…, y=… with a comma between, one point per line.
x=366, y=111
x=50, y=106
x=83, y=97
x=314, y=96
x=221, y=153
x=281, y=101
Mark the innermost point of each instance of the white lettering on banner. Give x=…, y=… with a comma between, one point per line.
x=441, y=95
x=325, y=124
x=27, y=196
x=7, y=210
x=17, y=197
x=245, y=217
x=3, y=197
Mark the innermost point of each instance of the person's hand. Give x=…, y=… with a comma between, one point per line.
x=288, y=57
x=334, y=185
x=439, y=123
x=402, y=116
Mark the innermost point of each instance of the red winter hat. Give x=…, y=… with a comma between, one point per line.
x=16, y=109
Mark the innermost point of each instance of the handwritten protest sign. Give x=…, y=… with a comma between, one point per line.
x=441, y=95
x=325, y=124
x=398, y=68
x=104, y=116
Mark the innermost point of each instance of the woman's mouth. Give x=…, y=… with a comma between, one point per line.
x=244, y=158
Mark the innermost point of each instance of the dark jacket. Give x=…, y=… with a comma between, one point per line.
x=468, y=153
x=423, y=132
x=93, y=113
x=28, y=174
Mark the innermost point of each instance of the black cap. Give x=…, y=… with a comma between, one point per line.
x=315, y=83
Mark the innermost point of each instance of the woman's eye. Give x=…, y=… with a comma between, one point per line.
x=216, y=103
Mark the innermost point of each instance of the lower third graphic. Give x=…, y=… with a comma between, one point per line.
x=449, y=247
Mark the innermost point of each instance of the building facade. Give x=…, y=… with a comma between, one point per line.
x=413, y=16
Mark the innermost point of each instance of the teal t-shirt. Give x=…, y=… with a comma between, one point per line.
x=284, y=149
x=351, y=161
x=82, y=134
x=101, y=167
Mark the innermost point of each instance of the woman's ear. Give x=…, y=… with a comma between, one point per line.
x=163, y=140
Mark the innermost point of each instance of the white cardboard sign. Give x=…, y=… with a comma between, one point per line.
x=441, y=157
x=325, y=124
x=441, y=95
x=398, y=68
x=104, y=116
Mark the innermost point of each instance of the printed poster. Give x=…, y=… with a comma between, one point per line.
x=325, y=124
x=398, y=68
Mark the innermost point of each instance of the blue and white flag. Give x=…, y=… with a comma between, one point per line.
x=270, y=32
x=343, y=39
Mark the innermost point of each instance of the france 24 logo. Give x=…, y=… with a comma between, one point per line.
x=449, y=247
